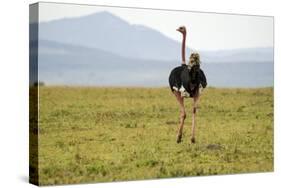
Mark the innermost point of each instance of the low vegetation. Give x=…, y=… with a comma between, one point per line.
x=90, y=134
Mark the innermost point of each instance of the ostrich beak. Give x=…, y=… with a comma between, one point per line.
x=178, y=29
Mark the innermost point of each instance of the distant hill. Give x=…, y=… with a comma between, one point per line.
x=64, y=64
x=68, y=64
x=250, y=55
x=108, y=32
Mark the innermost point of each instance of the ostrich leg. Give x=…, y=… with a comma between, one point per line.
x=195, y=103
x=182, y=115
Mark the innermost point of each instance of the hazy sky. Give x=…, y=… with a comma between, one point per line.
x=205, y=31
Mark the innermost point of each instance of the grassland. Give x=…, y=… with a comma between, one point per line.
x=112, y=134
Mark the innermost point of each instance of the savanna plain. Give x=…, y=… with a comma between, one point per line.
x=99, y=134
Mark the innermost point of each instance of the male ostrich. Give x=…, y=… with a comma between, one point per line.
x=187, y=79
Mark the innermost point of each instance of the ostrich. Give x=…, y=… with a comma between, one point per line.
x=184, y=80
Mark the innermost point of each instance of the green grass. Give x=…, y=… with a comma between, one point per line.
x=112, y=134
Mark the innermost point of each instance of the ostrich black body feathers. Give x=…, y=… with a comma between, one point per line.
x=190, y=79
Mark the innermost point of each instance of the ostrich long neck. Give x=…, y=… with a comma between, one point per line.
x=183, y=49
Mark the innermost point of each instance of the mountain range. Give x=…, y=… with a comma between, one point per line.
x=107, y=32
x=103, y=49
x=110, y=33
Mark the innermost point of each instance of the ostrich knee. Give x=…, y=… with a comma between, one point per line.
x=183, y=115
x=194, y=110
x=182, y=118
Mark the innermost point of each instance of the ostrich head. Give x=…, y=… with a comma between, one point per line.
x=182, y=29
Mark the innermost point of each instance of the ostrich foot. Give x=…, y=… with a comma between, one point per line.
x=179, y=138
x=192, y=140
